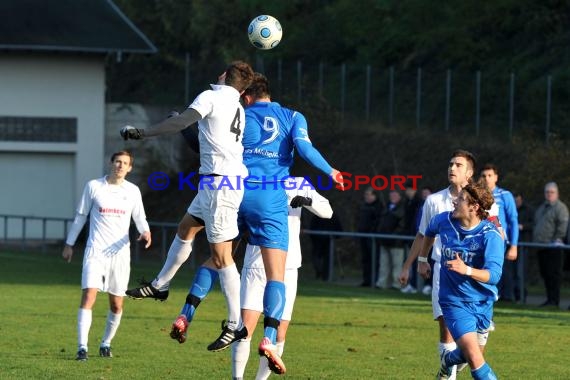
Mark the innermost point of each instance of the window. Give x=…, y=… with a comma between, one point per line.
x=38, y=129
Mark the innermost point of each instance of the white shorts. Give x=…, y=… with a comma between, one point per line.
x=435, y=291
x=108, y=273
x=253, y=282
x=217, y=205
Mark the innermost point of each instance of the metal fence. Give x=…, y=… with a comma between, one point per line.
x=17, y=231
x=482, y=104
x=167, y=230
x=32, y=231
x=493, y=101
x=524, y=249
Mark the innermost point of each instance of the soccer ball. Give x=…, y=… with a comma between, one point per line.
x=264, y=32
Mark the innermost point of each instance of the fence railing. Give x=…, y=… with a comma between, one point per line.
x=16, y=230
x=24, y=230
x=167, y=229
x=522, y=254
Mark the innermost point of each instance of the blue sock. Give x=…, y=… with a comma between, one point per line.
x=484, y=373
x=455, y=357
x=204, y=282
x=273, y=305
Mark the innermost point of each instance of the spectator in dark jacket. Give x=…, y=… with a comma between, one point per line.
x=526, y=218
x=393, y=222
x=368, y=219
x=414, y=204
x=322, y=243
x=526, y=221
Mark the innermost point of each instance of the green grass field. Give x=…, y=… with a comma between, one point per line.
x=338, y=332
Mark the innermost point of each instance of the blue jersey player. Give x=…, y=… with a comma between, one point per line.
x=509, y=219
x=272, y=134
x=471, y=266
x=284, y=131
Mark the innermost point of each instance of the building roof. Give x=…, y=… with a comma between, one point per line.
x=92, y=26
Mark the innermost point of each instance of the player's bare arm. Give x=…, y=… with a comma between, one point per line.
x=338, y=179
x=414, y=253
x=169, y=125
x=424, y=269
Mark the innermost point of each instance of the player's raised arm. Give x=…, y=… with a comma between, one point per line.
x=314, y=202
x=171, y=124
x=320, y=206
x=310, y=154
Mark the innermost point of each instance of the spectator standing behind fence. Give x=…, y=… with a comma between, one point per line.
x=526, y=221
x=550, y=224
x=413, y=207
x=368, y=220
x=426, y=290
x=508, y=218
x=393, y=222
x=322, y=243
x=526, y=218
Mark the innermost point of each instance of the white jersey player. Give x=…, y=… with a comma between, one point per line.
x=221, y=119
x=300, y=193
x=110, y=202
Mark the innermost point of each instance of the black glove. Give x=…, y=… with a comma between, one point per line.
x=300, y=201
x=129, y=132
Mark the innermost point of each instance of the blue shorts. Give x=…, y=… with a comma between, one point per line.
x=465, y=317
x=263, y=215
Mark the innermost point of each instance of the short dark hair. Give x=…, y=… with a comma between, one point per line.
x=123, y=153
x=467, y=155
x=259, y=87
x=239, y=75
x=492, y=167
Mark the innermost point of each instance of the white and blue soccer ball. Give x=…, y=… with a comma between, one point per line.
x=264, y=32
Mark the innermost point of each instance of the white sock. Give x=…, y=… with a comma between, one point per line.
x=280, y=347
x=230, y=284
x=263, y=371
x=449, y=347
x=446, y=347
x=113, y=322
x=178, y=253
x=84, y=318
x=240, y=356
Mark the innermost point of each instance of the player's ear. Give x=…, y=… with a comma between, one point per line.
x=222, y=78
x=247, y=100
x=470, y=173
